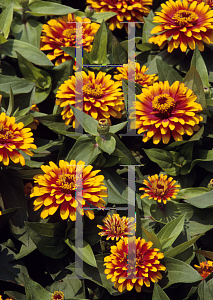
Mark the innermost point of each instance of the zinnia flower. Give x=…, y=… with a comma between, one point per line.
x=14, y=137
x=183, y=24
x=57, y=296
x=102, y=97
x=209, y=2
x=141, y=78
x=61, y=32
x=147, y=265
x=205, y=268
x=127, y=10
x=58, y=188
x=116, y=227
x=160, y=188
x=163, y=109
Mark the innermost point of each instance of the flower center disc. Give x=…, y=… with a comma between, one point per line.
x=159, y=188
x=67, y=183
x=5, y=134
x=95, y=92
x=164, y=104
x=69, y=33
x=182, y=17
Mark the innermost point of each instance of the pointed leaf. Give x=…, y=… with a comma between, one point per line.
x=153, y=238
x=165, y=72
x=42, y=8
x=158, y=293
x=6, y=18
x=198, y=62
x=35, y=291
x=99, y=48
x=202, y=201
x=106, y=143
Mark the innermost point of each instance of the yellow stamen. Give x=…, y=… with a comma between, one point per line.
x=183, y=17
x=163, y=103
x=95, y=92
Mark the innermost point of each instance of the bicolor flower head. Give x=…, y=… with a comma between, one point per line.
x=205, y=268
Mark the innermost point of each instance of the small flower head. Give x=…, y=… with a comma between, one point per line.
x=66, y=187
x=61, y=32
x=57, y=296
x=127, y=10
x=205, y=268
x=183, y=24
x=103, y=126
x=14, y=137
x=147, y=264
x=140, y=76
x=208, y=2
x=162, y=110
x=116, y=227
x=160, y=188
x=102, y=97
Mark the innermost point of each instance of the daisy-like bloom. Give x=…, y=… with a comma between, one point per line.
x=102, y=97
x=61, y=32
x=127, y=10
x=147, y=265
x=57, y=296
x=183, y=24
x=141, y=78
x=160, y=188
x=14, y=137
x=209, y=2
x=205, y=268
x=116, y=227
x=162, y=110
x=58, y=187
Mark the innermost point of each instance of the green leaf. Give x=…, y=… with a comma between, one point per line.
x=178, y=271
x=42, y=8
x=165, y=214
x=18, y=85
x=191, y=192
x=153, y=238
x=199, y=64
x=34, y=74
x=138, y=232
x=107, y=143
x=193, y=81
x=89, y=123
x=158, y=293
x=61, y=73
x=204, y=291
x=164, y=159
x=11, y=270
x=10, y=108
x=165, y=72
x=182, y=247
x=48, y=237
x=202, y=201
x=205, y=253
x=117, y=127
x=35, y=291
x=28, y=31
x=84, y=253
x=6, y=18
x=171, y=229
x=25, y=250
x=15, y=295
x=99, y=48
x=7, y=215
x=12, y=192
x=85, y=149
x=6, y=3
x=28, y=51
x=102, y=16
x=124, y=153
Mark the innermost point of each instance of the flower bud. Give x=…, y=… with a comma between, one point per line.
x=103, y=127
x=207, y=92
x=89, y=11
x=180, y=160
x=210, y=185
x=24, y=3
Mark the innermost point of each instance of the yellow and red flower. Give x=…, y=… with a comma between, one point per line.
x=208, y=2
x=61, y=32
x=147, y=264
x=14, y=137
x=183, y=24
x=160, y=188
x=162, y=110
x=140, y=76
x=57, y=296
x=116, y=227
x=205, y=268
x=58, y=188
x=102, y=97
x=127, y=10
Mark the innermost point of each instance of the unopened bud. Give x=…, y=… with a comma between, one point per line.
x=89, y=11
x=180, y=160
x=207, y=92
x=103, y=127
x=210, y=185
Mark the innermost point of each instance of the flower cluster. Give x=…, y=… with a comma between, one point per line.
x=205, y=268
x=57, y=295
x=66, y=187
x=146, y=264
